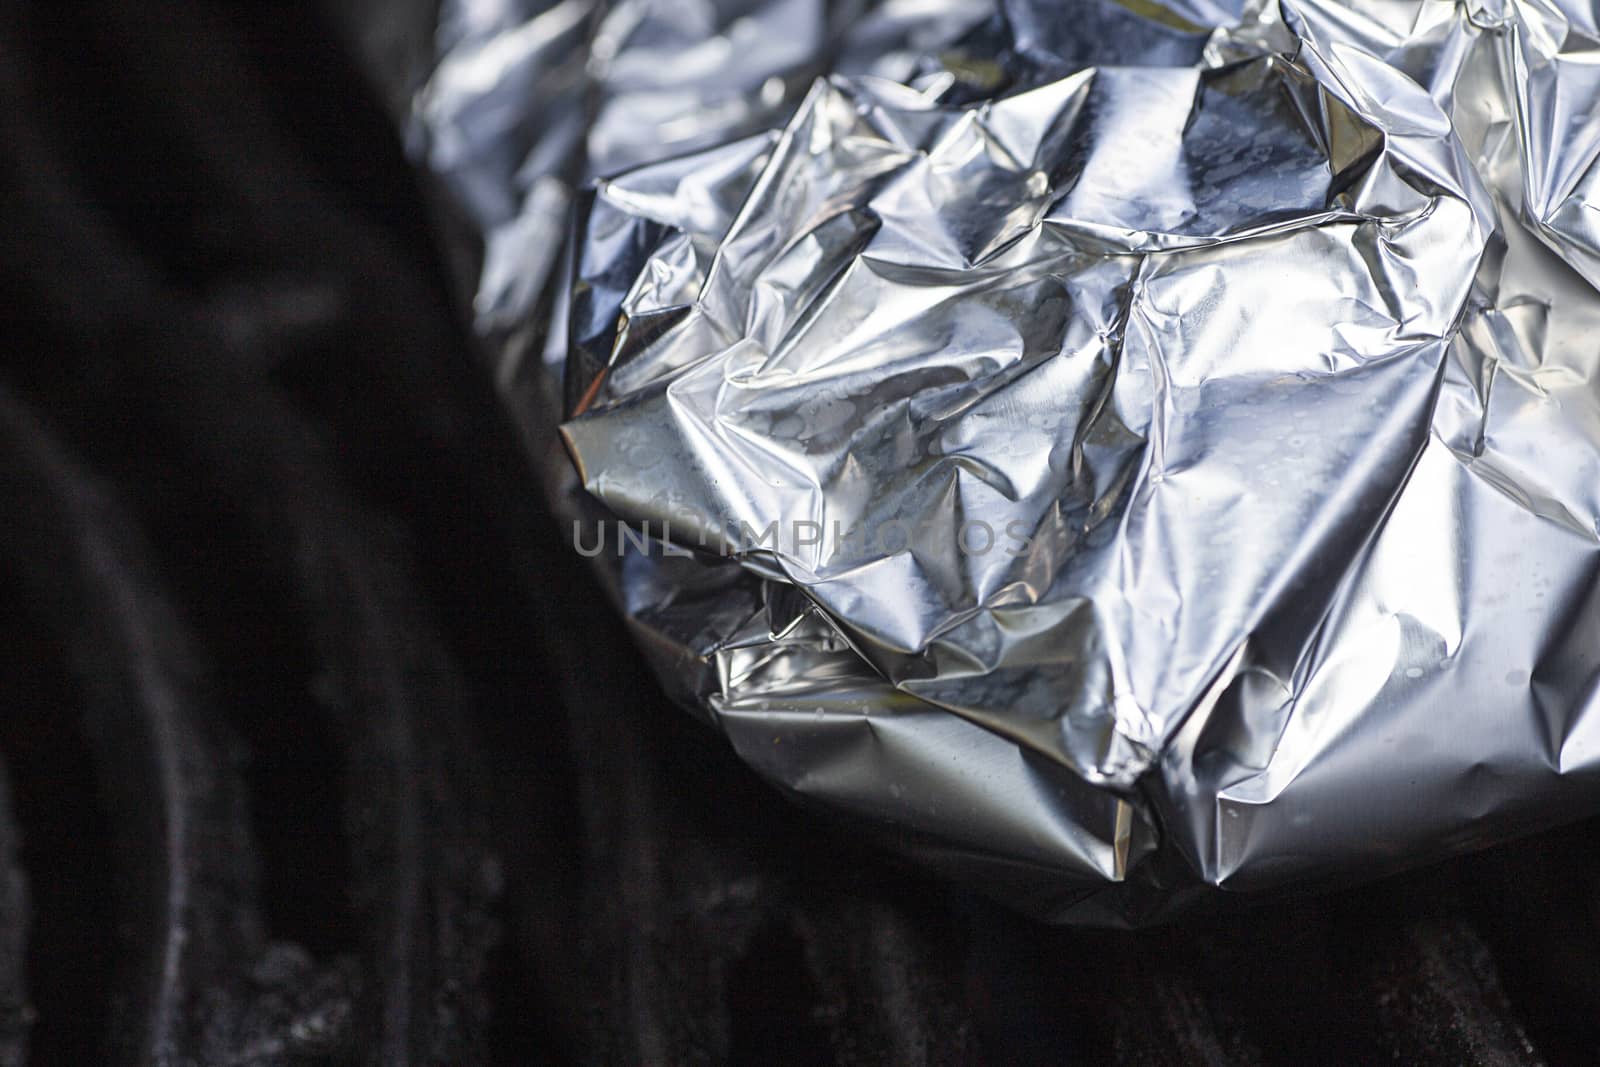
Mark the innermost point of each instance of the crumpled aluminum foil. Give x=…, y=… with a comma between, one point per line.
x=1118, y=452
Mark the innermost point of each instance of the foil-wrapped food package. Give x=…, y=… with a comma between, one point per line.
x=1118, y=452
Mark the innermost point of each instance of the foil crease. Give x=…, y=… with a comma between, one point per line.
x=1117, y=452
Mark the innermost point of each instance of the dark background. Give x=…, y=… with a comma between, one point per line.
x=318, y=746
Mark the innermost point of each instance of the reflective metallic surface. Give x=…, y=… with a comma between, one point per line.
x=1119, y=451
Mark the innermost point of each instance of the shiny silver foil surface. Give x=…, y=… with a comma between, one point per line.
x=1117, y=452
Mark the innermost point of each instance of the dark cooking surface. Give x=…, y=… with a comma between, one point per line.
x=318, y=745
